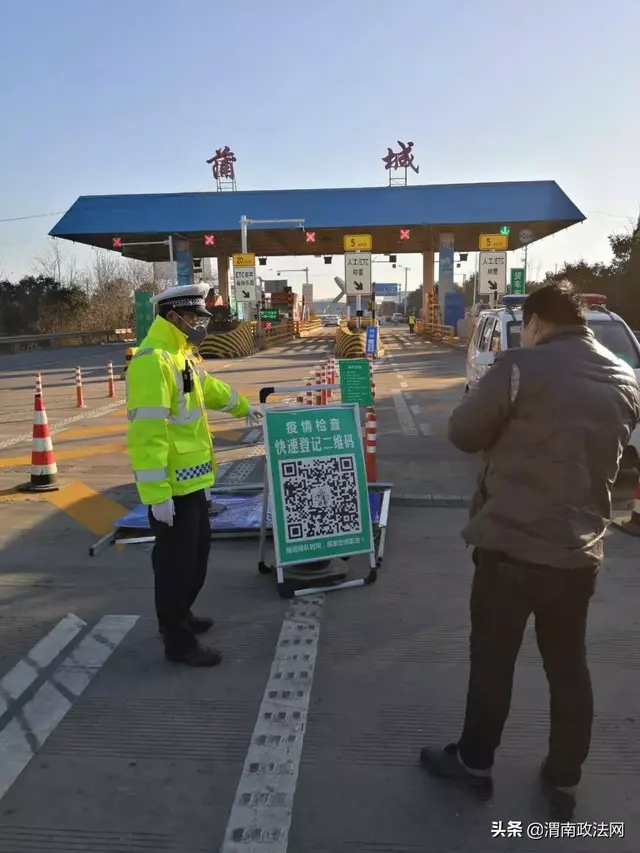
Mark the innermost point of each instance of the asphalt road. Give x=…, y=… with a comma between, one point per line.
x=306, y=738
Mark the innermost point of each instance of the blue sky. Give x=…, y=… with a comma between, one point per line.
x=134, y=96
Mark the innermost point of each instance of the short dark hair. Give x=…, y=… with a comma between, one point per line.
x=556, y=303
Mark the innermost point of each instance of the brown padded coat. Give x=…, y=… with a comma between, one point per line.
x=552, y=422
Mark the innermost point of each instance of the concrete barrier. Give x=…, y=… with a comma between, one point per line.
x=237, y=343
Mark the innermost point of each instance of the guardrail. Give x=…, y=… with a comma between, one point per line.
x=436, y=331
x=16, y=343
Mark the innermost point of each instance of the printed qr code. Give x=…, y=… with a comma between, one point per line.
x=320, y=497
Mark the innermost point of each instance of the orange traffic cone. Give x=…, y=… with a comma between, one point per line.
x=632, y=527
x=44, y=471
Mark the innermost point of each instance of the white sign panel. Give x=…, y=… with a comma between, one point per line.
x=357, y=273
x=493, y=273
x=244, y=284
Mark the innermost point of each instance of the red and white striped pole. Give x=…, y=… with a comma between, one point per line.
x=370, y=444
x=79, y=398
x=309, y=394
x=112, y=384
x=324, y=395
x=318, y=383
x=371, y=433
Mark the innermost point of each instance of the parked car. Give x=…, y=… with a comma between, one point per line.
x=498, y=329
x=331, y=320
x=398, y=318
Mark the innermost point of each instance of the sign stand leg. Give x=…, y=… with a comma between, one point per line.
x=263, y=568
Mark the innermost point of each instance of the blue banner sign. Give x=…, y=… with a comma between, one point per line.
x=371, y=342
x=385, y=289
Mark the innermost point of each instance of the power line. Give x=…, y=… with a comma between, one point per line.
x=33, y=216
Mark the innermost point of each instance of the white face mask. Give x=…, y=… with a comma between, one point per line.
x=195, y=333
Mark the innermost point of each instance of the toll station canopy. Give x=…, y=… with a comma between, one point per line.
x=400, y=219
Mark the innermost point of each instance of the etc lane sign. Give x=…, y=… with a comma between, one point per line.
x=244, y=277
x=493, y=273
x=318, y=484
x=357, y=273
x=244, y=284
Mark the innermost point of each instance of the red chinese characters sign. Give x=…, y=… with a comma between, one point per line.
x=222, y=164
x=402, y=159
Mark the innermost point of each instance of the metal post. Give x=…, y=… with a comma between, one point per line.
x=406, y=271
x=526, y=255
x=358, y=310
x=244, y=248
x=475, y=280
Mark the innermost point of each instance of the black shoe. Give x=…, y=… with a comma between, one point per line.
x=198, y=656
x=445, y=764
x=200, y=624
x=562, y=801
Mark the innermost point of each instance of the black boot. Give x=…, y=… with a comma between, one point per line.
x=562, y=800
x=200, y=624
x=446, y=764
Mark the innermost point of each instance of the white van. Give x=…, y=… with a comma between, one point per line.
x=498, y=329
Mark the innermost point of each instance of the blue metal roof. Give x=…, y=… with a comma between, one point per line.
x=454, y=204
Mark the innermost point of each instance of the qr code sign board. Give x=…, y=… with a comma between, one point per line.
x=320, y=497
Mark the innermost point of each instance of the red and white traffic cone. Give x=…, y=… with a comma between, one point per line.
x=79, y=398
x=39, y=384
x=44, y=471
x=309, y=395
x=112, y=384
x=632, y=527
x=370, y=444
x=318, y=383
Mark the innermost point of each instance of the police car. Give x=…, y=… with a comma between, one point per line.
x=498, y=329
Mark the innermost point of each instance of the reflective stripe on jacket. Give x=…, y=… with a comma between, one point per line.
x=168, y=437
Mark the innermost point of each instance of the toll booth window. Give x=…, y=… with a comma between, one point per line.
x=513, y=335
x=615, y=337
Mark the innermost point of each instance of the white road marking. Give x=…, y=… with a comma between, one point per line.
x=404, y=384
x=45, y=651
x=60, y=426
x=400, y=376
x=425, y=429
x=407, y=424
x=25, y=733
x=260, y=817
x=415, y=408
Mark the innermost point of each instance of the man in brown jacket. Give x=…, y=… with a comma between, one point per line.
x=552, y=419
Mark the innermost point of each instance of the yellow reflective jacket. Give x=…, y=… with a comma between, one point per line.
x=168, y=437
x=412, y=320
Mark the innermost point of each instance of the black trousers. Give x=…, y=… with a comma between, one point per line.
x=503, y=596
x=180, y=558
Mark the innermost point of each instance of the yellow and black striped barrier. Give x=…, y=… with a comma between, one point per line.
x=131, y=351
x=350, y=344
x=237, y=343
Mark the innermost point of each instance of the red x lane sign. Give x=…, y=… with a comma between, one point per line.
x=405, y=233
x=209, y=239
x=311, y=236
x=117, y=242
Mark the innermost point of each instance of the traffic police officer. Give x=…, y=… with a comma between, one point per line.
x=412, y=323
x=173, y=463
